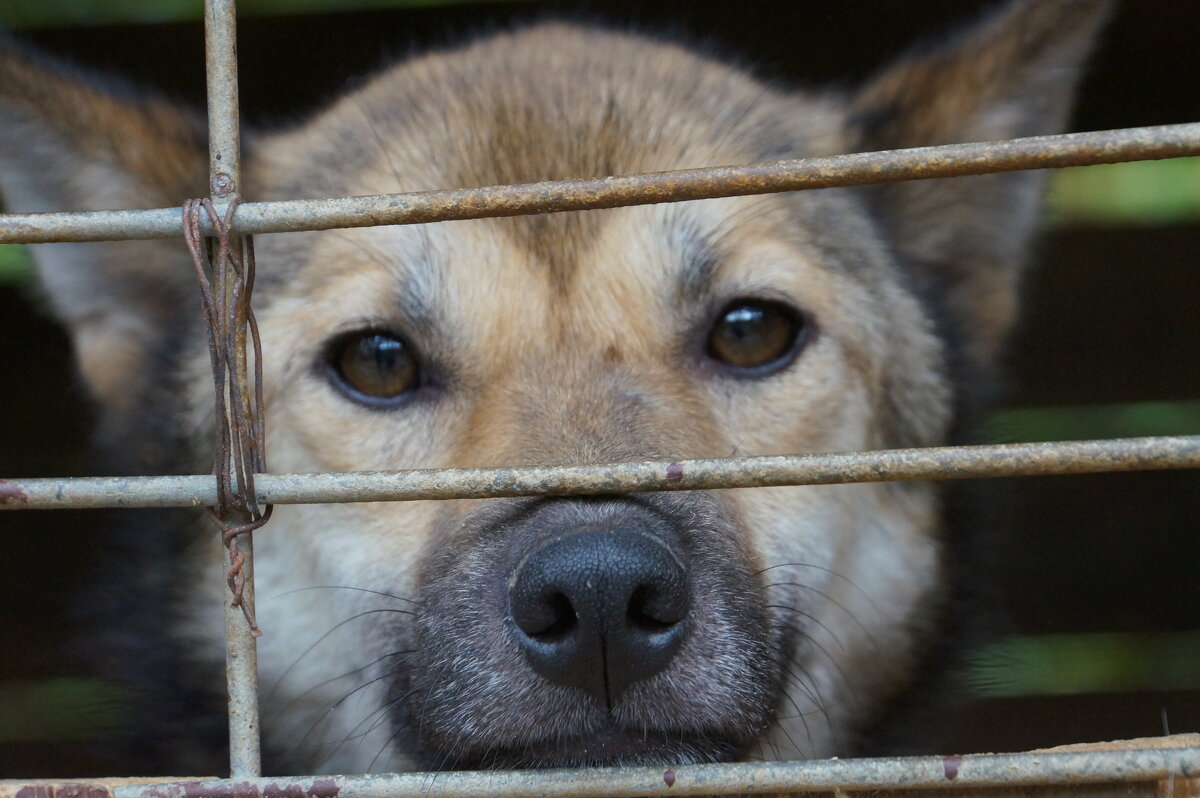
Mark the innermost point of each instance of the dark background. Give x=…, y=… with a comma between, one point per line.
x=1112, y=315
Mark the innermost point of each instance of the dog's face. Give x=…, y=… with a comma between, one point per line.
x=658, y=628
x=738, y=326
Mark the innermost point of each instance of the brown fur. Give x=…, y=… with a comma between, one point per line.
x=574, y=338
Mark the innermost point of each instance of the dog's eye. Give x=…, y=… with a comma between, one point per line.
x=757, y=336
x=374, y=365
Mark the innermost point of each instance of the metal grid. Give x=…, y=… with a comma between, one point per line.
x=1144, y=769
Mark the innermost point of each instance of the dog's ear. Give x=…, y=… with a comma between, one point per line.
x=68, y=143
x=1013, y=74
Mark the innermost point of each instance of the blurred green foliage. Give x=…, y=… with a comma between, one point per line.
x=1143, y=193
x=60, y=709
x=1086, y=663
x=58, y=13
x=1129, y=420
x=15, y=265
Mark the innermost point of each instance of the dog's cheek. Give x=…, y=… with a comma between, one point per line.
x=848, y=570
x=336, y=599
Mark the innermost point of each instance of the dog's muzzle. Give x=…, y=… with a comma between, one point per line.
x=576, y=631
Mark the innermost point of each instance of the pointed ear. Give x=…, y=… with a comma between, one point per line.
x=70, y=143
x=1013, y=74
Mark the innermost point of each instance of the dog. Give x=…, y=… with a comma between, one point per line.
x=655, y=628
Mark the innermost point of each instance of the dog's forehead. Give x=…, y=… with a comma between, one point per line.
x=548, y=102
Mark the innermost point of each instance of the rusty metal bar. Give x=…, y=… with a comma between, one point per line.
x=935, y=463
x=241, y=653
x=1124, y=769
x=954, y=160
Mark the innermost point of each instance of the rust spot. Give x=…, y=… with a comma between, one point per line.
x=321, y=788
x=34, y=791
x=273, y=790
x=674, y=472
x=669, y=777
x=324, y=788
x=950, y=765
x=64, y=791
x=10, y=493
x=81, y=791
x=243, y=789
x=222, y=183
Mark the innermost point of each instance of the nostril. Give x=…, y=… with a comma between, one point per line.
x=549, y=620
x=648, y=611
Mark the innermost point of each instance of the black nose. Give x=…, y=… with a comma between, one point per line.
x=600, y=609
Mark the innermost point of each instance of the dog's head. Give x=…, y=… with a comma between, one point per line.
x=648, y=628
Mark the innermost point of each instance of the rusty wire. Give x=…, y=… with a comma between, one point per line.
x=888, y=166
x=239, y=451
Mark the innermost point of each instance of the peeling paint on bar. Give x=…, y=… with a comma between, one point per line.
x=1125, y=770
x=946, y=462
x=921, y=163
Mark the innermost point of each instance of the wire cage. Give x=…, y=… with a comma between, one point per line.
x=1165, y=766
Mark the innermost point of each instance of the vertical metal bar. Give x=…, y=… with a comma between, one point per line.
x=241, y=654
x=224, y=140
x=241, y=675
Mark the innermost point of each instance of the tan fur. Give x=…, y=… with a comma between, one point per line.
x=578, y=338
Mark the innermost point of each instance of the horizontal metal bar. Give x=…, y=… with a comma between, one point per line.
x=1123, y=767
x=954, y=160
x=946, y=462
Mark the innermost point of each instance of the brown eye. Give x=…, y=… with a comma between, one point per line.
x=757, y=336
x=374, y=366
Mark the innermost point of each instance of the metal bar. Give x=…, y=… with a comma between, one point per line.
x=241, y=652
x=954, y=160
x=901, y=775
x=224, y=138
x=935, y=463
